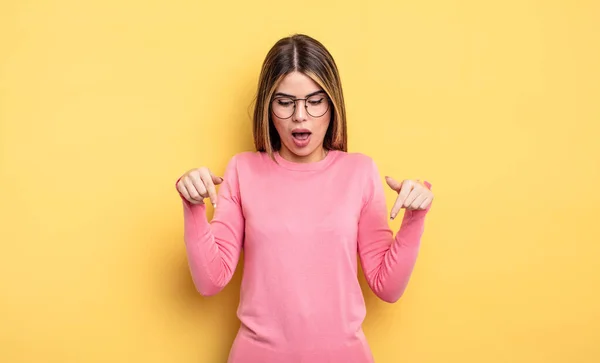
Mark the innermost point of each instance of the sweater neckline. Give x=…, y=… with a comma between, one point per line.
x=317, y=165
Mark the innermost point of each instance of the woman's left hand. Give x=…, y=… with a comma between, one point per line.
x=412, y=195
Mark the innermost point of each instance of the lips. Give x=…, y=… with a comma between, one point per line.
x=301, y=137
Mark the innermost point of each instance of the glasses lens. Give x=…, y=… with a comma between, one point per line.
x=317, y=105
x=283, y=107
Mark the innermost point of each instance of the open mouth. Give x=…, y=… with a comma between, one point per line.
x=301, y=136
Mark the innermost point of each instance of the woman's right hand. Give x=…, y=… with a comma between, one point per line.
x=197, y=184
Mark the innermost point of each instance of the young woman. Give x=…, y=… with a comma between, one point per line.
x=301, y=207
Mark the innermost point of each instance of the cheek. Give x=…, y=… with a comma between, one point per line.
x=279, y=124
x=323, y=123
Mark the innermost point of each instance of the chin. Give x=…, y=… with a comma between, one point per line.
x=301, y=151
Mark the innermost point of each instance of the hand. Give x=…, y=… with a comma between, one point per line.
x=197, y=184
x=412, y=195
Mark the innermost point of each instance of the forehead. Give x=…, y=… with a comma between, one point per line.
x=297, y=84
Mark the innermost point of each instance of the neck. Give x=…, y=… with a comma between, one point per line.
x=317, y=155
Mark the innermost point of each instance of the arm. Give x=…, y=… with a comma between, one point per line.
x=213, y=249
x=387, y=261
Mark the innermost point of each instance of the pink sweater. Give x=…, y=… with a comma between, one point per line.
x=301, y=227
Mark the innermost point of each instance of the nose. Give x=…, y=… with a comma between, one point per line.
x=300, y=111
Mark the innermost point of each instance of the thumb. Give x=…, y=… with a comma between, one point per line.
x=216, y=179
x=393, y=183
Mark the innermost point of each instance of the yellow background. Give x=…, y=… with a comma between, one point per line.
x=103, y=104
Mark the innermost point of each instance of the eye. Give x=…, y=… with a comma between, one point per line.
x=285, y=102
x=316, y=101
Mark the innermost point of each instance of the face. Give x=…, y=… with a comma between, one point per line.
x=302, y=127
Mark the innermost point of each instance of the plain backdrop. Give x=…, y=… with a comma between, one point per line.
x=104, y=104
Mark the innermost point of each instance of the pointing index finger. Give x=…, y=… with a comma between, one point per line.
x=405, y=189
x=210, y=186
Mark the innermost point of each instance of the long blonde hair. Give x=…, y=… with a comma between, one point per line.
x=306, y=55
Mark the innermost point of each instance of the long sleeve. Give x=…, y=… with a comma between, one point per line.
x=387, y=262
x=213, y=248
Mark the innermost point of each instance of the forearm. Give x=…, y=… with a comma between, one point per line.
x=393, y=260
x=211, y=263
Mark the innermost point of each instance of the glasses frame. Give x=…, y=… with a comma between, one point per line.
x=295, y=100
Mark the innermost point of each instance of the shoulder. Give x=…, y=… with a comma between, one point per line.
x=357, y=161
x=244, y=157
x=359, y=168
x=249, y=158
x=247, y=161
x=362, y=170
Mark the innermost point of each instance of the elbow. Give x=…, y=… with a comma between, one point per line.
x=205, y=285
x=389, y=288
x=207, y=291
x=390, y=300
x=390, y=296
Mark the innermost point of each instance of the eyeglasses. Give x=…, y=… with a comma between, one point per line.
x=315, y=105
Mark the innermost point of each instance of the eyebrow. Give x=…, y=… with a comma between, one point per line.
x=291, y=96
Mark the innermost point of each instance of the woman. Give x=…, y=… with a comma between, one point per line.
x=301, y=207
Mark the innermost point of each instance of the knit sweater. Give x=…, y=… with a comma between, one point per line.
x=301, y=227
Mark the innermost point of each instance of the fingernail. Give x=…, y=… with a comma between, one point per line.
x=214, y=205
x=392, y=217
